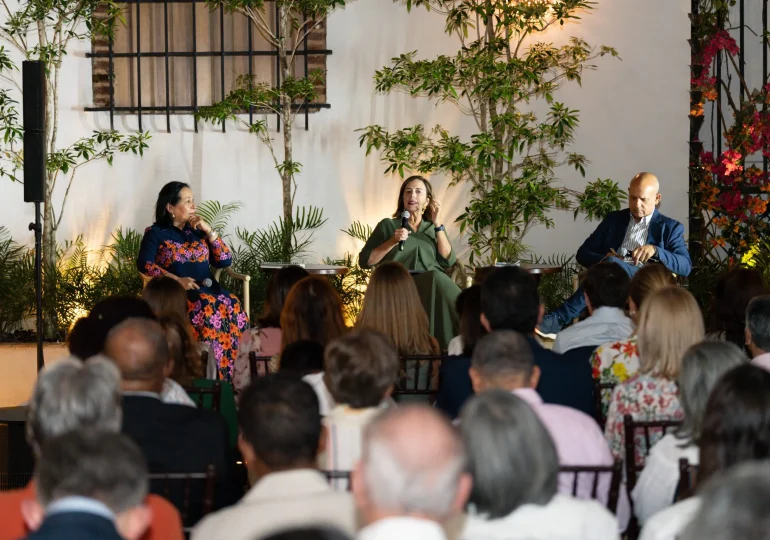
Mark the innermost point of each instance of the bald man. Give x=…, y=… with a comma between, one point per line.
x=411, y=478
x=630, y=238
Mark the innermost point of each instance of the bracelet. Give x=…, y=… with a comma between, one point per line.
x=212, y=235
x=439, y=229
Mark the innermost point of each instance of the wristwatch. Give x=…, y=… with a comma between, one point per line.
x=439, y=229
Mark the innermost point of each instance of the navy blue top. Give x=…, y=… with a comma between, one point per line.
x=75, y=526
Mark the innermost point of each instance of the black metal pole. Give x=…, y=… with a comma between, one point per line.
x=38, y=228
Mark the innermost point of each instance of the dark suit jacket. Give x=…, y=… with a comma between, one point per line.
x=666, y=234
x=75, y=526
x=564, y=380
x=178, y=438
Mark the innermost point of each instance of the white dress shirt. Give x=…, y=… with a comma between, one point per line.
x=402, y=528
x=656, y=487
x=636, y=235
x=455, y=347
x=605, y=324
x=325, y=399
x=563, y=518
x=344, y=431
x=174, y=393
x=669, y=524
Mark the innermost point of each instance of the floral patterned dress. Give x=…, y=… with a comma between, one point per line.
x=644, y=398
x=613, y=363
x=216, y=315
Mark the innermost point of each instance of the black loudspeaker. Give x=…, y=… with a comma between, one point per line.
x=34, y=94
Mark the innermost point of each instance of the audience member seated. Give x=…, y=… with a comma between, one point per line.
x=606, y=292
x=91, y=485
x=670, y=322
x=734, y=506
x=281, y=435
x=451, y=398
x=168, y=299
x=735, y=430
x=265, y=338
x=181, y=362
x=515, y=470
x=411, y=478
x=757, y=332
x=71, y=395
x=305, y=359
x=702, y=367
x=509, y=301
x=616, y=361
x=174, y=438
x=309, y=533
x=503, y=360
x=361, y=369
x=733, y=291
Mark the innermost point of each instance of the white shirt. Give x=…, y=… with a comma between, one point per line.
x=455, y=347
x=606, y=324
x=763, y=361
x=669, y=524
x=402, y=528
x=344, y=431
x=636, y=235
x=174, y=393
x=656, y=487
x=325, y=399
x=563, y=518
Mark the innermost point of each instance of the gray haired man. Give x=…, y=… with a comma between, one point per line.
x=411, y=478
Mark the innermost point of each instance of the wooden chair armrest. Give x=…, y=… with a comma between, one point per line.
x=235, y=275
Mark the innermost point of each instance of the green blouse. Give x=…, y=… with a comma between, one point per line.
x=420, y=249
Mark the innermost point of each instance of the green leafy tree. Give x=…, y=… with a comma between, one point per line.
x=296, y=20
x=511, y=161
x=43, y=30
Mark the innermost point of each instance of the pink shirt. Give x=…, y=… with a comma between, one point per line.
x=763, y=361
x=579, y=441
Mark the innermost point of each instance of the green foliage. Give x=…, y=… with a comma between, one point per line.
x=554, y=289
x=352, y=286
x=17, y=283
x=217, y=214
x=511, y=162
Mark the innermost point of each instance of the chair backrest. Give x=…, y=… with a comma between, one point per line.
x=418, y=375
x=592, y=473
x=651, y=431
x=259, y=366
x=602, y=389
x=191, y=493
x=687, y=479
x=206, y=398
x=339, y=480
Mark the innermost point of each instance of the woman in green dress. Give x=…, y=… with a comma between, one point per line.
x=426, y=250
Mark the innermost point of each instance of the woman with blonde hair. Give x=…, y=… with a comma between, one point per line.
x=392, y=306
x=670, y=322
x=616, y=361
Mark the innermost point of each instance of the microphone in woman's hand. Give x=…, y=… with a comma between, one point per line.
x=206, y=282
x=404, y=225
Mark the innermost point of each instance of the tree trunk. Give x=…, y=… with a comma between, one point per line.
x=50, y=323
x=287, y=177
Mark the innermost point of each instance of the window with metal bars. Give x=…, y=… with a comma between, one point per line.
x=174, y=56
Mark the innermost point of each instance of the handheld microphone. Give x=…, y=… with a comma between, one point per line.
x=207, y=282
x=404, y=225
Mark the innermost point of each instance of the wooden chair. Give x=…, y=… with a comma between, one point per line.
x=687, y=478
x=600, y=390
x=411, y=381
x=580, y=471
x=217, y=274
x=631, y=427
x=198, y=395
x=193, y=501
x=339, y=479
x=259, y=366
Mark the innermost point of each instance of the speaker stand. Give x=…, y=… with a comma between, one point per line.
x=38, y=228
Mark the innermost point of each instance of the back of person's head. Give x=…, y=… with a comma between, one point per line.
x=412, y=463
x=360, y=368
x=140, y=350
x=165, y=296
x=313, y=310
x=392, y=306
x=302, y=358
x=758, y=322
x=647, y=280
x=509, y=300
x=736, y=424
x=734, y=506
x=278, y=288
x=468, y=305
x=183, y=352
x=511, y=456
x=72, y=394
x=279, y=422
x=88, y=335
x=732, y=294
x=102, y=465
x=606, y=285
x=703, y=365
x=670, y=322
x=502, y=359
x=317, y=532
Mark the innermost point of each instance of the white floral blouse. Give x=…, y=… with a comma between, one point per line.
x=614, y=363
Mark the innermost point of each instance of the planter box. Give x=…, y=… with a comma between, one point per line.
x=18, y=369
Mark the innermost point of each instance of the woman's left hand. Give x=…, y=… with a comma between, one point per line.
x=197, y=222
x=435, y=212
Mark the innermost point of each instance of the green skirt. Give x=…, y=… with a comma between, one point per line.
x=438, y=294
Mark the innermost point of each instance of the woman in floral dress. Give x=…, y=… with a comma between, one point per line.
x=181, y=245
x=670, y=322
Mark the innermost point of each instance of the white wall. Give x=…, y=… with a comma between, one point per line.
x=633, y=118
